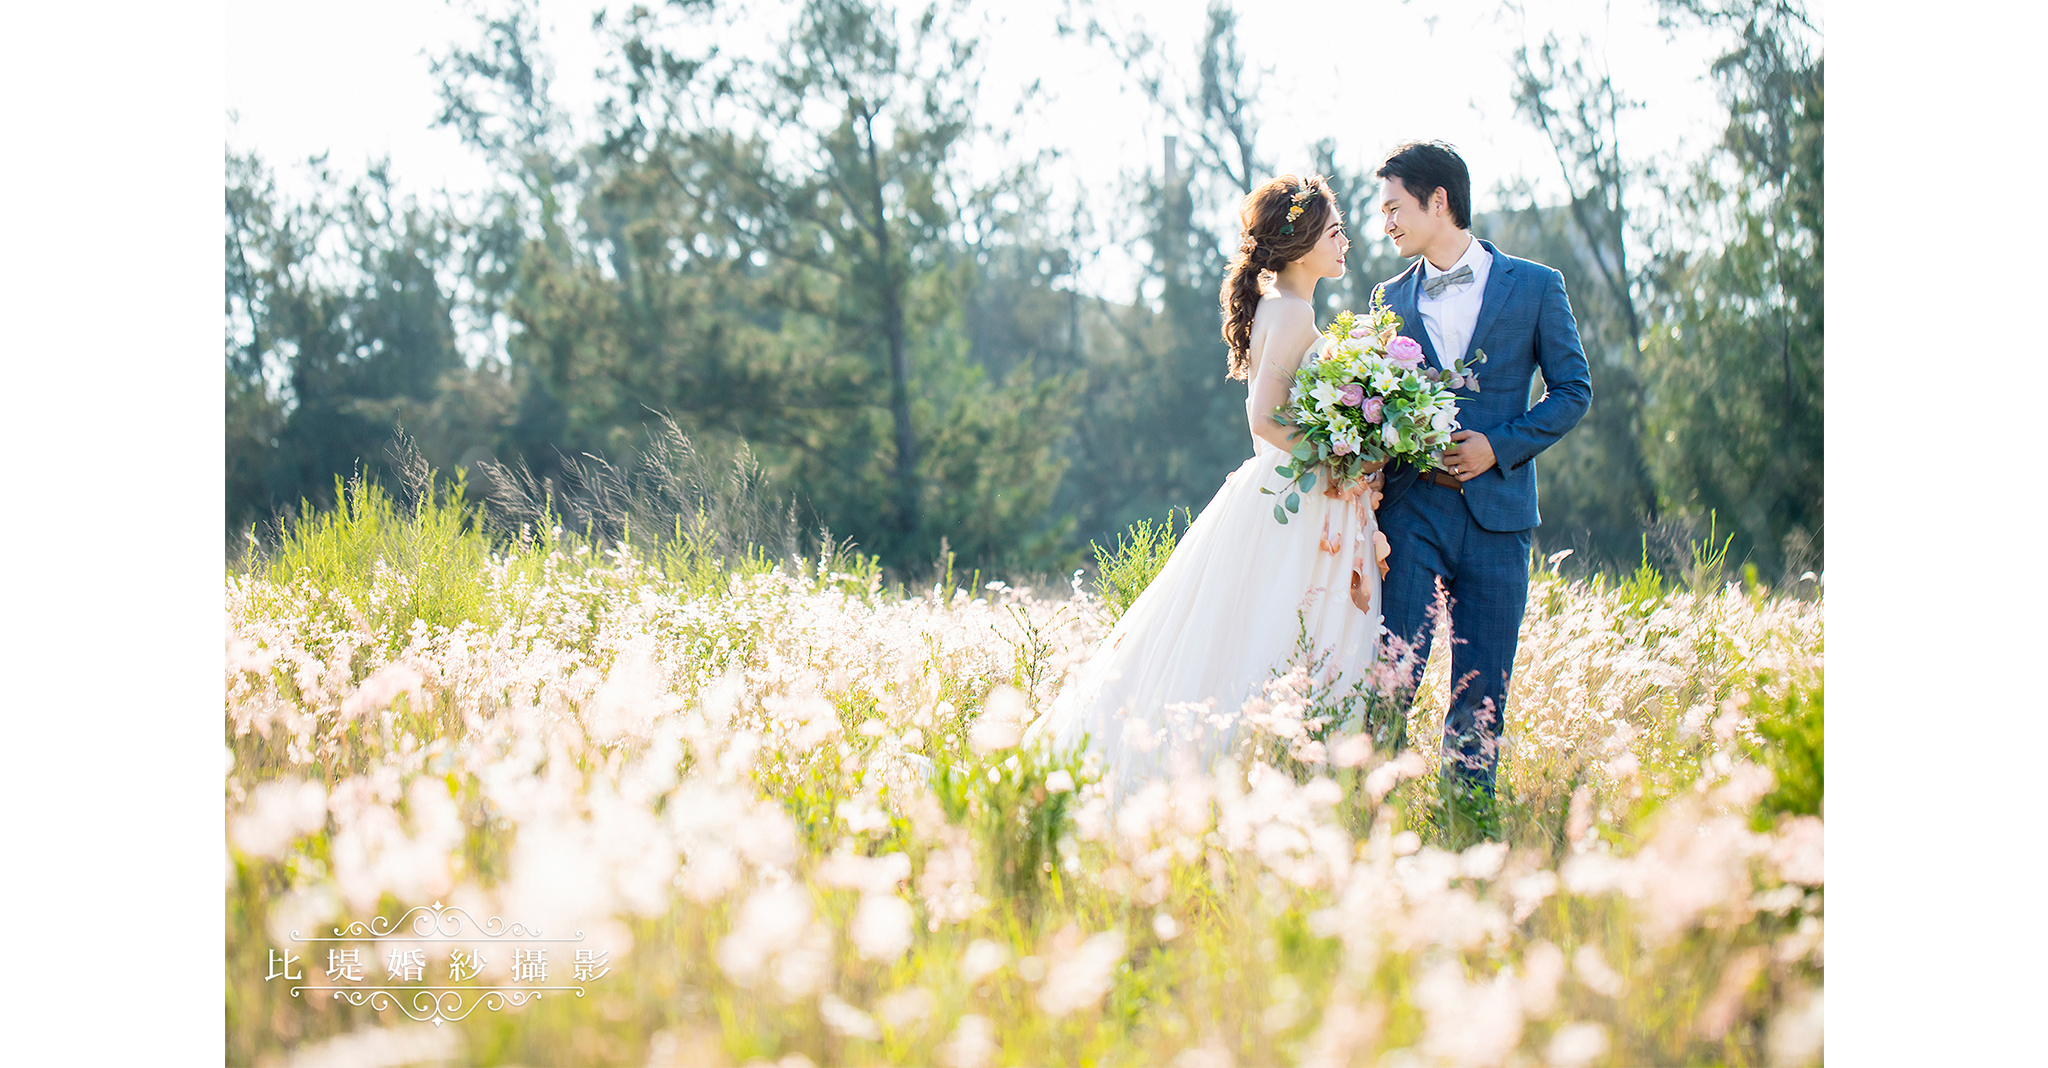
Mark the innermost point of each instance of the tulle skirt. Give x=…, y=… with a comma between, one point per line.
x=1229, y=610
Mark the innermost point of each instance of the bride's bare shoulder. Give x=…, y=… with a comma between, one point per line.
x=1278, y=308
x=1289, y=315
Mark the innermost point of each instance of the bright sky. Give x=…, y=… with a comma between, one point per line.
x=351, y=79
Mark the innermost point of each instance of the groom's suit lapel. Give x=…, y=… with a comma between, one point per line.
x=1499, y=281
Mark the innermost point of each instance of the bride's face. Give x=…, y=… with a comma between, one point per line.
x=1326, y=259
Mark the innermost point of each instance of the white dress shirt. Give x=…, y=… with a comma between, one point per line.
x=1450, y=316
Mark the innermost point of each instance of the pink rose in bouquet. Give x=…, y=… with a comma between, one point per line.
x=1374, y=406
x=1342, y=447
x=1353, y=395
x=1405, y=351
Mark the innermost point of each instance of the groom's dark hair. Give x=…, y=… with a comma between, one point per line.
x=1426, y=166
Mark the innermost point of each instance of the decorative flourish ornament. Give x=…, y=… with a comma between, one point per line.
x=441, y=1004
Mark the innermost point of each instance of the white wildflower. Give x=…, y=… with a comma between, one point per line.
x=771, y=921
x=1796, y=1033
x=1577, y=1044
x=906, y=1007
x=844, y=1019
x=863, y=816
x=973, y=1044
x=1592, y=970
x=981, y=958
x=1542, y=968
x=279, y=811
x=1797, y=849
x=1468, y=1023
x=871, y=875
x=1482, y=861
x=1081, y=978
x=881, y=928
x=1000, y=724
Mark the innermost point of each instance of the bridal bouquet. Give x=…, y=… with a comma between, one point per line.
x=1367, y=395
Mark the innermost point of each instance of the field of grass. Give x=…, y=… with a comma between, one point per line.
x=784, y=805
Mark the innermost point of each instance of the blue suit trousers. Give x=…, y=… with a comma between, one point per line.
x=1485, y=577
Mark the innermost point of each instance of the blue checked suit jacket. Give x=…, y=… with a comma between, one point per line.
x=1524, y=323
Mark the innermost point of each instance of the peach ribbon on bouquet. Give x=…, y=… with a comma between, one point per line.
x=1354, y=492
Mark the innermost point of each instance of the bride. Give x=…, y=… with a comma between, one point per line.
x=1226, y=611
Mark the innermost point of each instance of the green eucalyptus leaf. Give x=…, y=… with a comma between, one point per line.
x=1308, y=481
x=1280, y=514
x=1294, y=502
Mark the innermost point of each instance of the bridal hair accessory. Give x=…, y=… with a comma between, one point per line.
x=1308, y=189
x=1250, y=251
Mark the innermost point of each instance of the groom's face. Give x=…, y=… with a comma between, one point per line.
x=1410, y=222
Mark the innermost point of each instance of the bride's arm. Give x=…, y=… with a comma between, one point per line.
x=1287, y=340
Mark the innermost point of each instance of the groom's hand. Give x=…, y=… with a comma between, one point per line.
x=1469, y=456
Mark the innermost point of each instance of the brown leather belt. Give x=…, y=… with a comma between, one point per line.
x=1442, y=478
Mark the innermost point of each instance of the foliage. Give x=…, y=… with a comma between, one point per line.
x=1141, y=550
x=1733, y=363
x=1643, y=590
x=435, y=545
x=1792, y=745
x=320, y=370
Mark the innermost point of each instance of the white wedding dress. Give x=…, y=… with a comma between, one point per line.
x=1222, y=617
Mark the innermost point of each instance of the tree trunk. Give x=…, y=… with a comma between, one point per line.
x=909, y=499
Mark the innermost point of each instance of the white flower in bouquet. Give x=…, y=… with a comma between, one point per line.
x=1326, y=396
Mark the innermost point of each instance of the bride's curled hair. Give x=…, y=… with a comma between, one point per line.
x=1264, y=248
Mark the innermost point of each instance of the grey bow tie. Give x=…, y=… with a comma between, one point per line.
x=1435, y=286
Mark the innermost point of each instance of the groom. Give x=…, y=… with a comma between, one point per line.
x=1464, y=525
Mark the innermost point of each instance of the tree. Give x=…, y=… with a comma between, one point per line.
x=1597, y=485
x=255, y=405
x=338, y=325
x=851, y=205
x=1735, y=416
